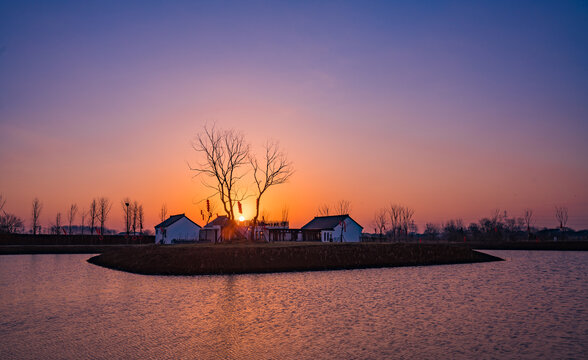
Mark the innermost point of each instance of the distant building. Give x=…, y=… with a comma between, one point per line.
x=338, y=228
x=177, y=229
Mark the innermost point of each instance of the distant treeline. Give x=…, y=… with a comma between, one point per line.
x=396, y=224
x=454, y=232
x=46, y=239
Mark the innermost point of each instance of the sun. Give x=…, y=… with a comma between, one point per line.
x=241, y=218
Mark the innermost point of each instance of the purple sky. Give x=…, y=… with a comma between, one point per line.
x=452, y=108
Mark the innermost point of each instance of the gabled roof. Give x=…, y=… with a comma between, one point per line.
x=327, y=222
x=172, y=219
x=219, y=221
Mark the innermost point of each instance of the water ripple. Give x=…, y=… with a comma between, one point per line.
x=532, y=306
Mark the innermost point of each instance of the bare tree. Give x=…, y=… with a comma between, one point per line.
x=401, y=218
x=496, y=218
x=394, y=212
x=274, y=169
x=83, y=215
x=431, y=231
x=56, y=228
x=454, y=230
x=561, y=214
x=10, y=223
x=323, y=210
x=104, y=206
x=71, y=214
x=381, y=221
x=125, y=203
x=93, y=215
x=285, y=214
x=141, y=219
x=528, y=218
x=163, y=212
x=406, y=218
x=134, y=216
x=225, y=154
x=343, y=207
x=2, y=203
x=37, y=207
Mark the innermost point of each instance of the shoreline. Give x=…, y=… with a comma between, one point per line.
x=60, y=249
x=531, y=245
x=31, y=249
x=222, y=259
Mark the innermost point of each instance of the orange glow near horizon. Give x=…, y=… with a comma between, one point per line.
x=323, y=175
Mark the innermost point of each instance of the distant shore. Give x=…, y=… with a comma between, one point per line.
x=200, y=259
x=531, y=245
x=60, y=249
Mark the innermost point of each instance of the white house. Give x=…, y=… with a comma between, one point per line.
x=177, y=229
x=339, y=228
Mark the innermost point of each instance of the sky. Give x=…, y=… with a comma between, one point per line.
x=452, y=108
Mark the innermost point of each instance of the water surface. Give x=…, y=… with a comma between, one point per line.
x=534, y=305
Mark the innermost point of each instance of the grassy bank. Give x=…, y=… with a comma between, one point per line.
x=279, y=257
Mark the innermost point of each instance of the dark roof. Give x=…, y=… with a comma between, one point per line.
x=172, y=219
x=327, y=222
x=219, y=221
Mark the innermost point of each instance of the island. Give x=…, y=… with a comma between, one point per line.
x=212, y=259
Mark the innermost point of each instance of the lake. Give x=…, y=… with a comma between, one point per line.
x=534, y=305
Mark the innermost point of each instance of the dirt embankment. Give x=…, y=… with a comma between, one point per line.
x=279, y=257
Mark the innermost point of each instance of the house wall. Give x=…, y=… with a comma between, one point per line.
x=311, y=235
x=351, y=232
x=183, y=230
x=210, y=234
x=327, y=236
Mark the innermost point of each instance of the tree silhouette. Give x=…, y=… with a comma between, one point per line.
x=104, y=206
x=37, y=207
x=274, y=169
x=93, y=215
x=527, y=218
x=141, y=219
x=163, y=212
x=323, y=210
x=56, y=228
x=343, y=207
x=225, y=154
x=381, y=221
x=561, y=214
x=71, y=214
x=2, y=203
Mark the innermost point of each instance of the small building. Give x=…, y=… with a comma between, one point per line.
x=338, y=228
x=270, y=231
x=222, y=229
x=177, y=229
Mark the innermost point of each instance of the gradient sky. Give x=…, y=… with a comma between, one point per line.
x=452, y=108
